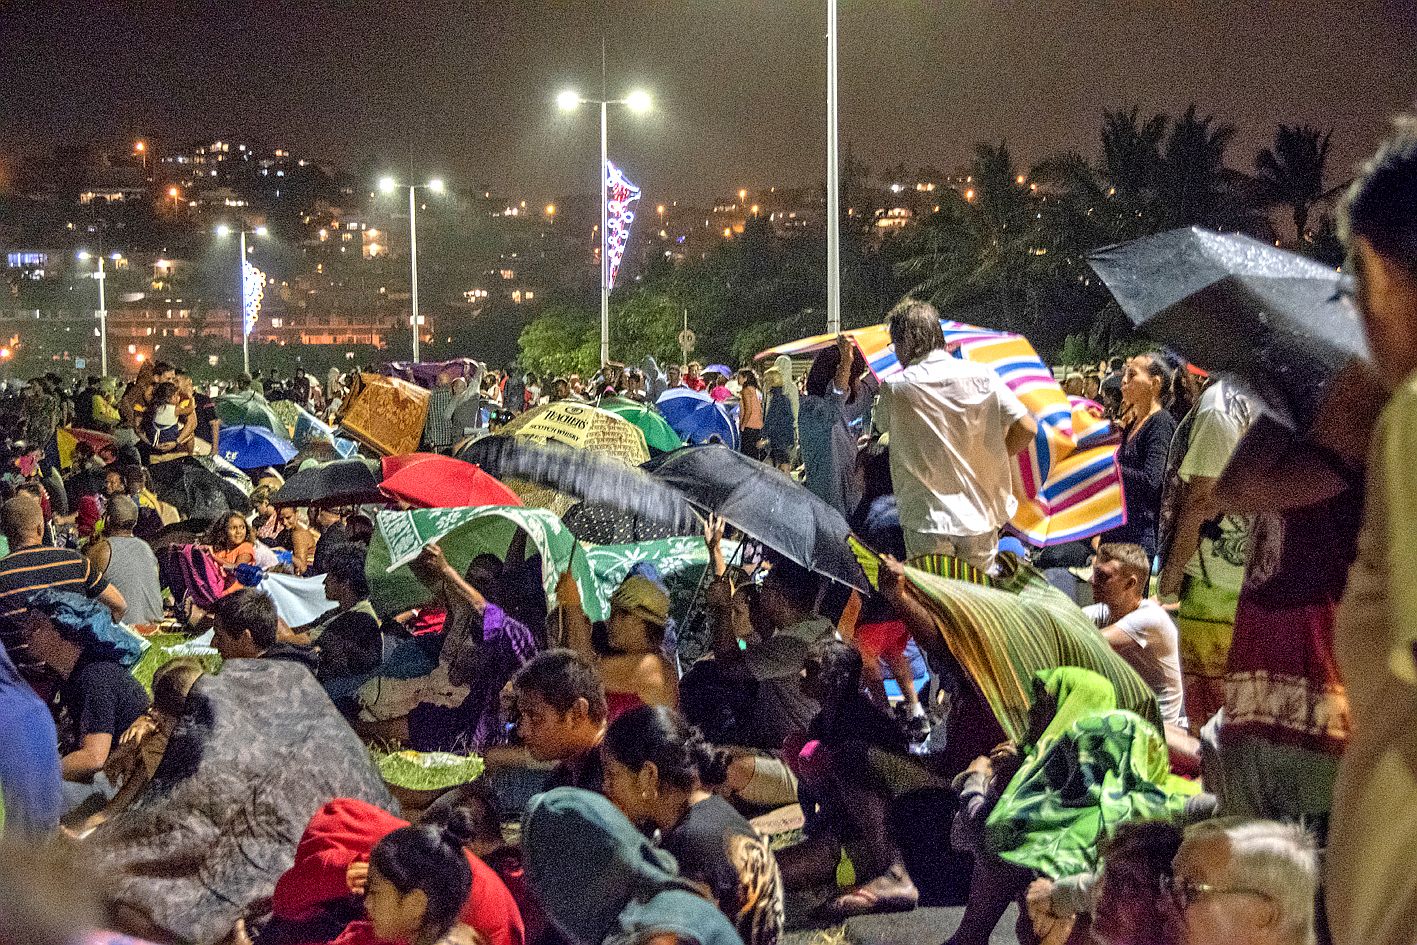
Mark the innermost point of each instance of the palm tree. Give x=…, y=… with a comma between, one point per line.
x=980, y=250
x=1291, y=173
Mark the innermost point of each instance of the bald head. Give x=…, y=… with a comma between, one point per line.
x=22, y=520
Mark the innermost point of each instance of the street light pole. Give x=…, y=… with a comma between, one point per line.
x=413, y=264
x=637, y=101
x=833, y=183
x=102, y=320
x=604, y=239
x=241, y=311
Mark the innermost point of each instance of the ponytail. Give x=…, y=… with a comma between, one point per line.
x=660, y=735
x=430, y=859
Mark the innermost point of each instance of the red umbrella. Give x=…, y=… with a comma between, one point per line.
x=392, y=464
x=441, y=482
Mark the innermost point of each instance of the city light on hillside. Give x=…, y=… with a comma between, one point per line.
x=436, y=185
x=223, y=229
x=387, y=184
x=550, y=209
x=139, y=147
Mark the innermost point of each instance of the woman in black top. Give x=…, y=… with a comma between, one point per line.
x=655, y=768
x=1148, y=429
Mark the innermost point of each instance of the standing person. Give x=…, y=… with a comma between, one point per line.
x=438, y=431
x=1287, y=720
x=1148, y=429
x=824, y=425
x=673, y=378
x=1372, y=862
x=655, y=773
x=780, y=414
x=128, y=563
x=465, y=409
x=615, y=887
x=1136, y=627
x=750, y=413
x=691, y=378
x=953, y=427
x=1203, y=550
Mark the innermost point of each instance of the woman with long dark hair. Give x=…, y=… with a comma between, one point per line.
x=657, y=771
x=750, y=413
x=1148, y=428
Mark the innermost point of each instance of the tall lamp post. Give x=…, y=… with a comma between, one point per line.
x=225, y=230
x=833, y=183
x=388, y=185
x=101, y=276
x=637, y=101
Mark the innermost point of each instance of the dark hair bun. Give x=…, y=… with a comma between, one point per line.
x=460, y=829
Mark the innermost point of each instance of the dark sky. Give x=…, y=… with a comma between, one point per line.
x=465, y=89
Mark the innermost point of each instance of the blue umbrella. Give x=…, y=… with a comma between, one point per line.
x=696, y=418
x=247, y=447
x=722, y=369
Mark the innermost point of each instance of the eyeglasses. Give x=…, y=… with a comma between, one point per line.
x=1186, y=893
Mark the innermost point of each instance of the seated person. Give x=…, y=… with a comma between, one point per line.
x=100, y=699
x=471, y=656
x=631, y=656
x=750, y=695
x=601, y=880
x=846, y=797
x=132, y=765
x=1138, y=629
x=1269, y=869
x=559, y=706
x=246, y=626
x=128, y=563
x=229, y=540
x=348, y=637
x=338, y=858
x=657, y=770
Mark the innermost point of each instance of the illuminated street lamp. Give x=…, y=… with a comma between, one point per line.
x=224, y=230
x=638, y=101
x=388, y=185
x=100, y=275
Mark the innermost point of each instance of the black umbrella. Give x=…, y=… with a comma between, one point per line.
x=592, y=477
x=196, y=492
x=342, y=482
x=1273, y=320
x=599, y=524
x=765, y=505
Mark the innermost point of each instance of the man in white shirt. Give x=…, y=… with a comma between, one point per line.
x=954, y=426
x=1137, y=628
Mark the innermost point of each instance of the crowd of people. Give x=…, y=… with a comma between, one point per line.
x=1238, y=701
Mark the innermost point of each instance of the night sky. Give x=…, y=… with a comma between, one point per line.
x=466, y=89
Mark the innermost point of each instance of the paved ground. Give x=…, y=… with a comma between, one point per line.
x=920, y=927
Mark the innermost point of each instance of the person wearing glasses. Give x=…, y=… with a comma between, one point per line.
x=1245, y=882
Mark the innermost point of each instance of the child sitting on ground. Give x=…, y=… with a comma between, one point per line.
x=140, y=749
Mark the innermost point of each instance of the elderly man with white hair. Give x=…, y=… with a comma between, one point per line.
x=1245, y=882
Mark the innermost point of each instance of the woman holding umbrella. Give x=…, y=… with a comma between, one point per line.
x=1148, y=428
